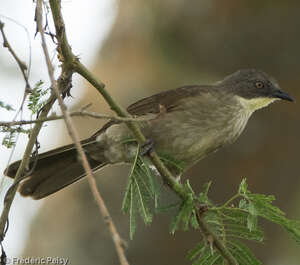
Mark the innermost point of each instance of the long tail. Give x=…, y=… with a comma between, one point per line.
x=54, y=170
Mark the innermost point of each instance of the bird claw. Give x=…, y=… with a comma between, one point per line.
x=147, y=147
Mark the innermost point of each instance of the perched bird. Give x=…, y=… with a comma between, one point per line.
x=186, y=123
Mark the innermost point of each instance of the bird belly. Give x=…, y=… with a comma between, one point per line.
x=188, y=138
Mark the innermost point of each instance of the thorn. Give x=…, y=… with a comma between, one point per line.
x=202, y=209
x=210, y=241
x=86, y=106
x=124, y=243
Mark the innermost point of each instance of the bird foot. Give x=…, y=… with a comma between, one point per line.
x=147, y=147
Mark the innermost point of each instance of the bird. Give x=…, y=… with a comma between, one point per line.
x=185, y=123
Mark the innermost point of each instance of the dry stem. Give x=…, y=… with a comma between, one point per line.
x=80, y=113
x=75, y=137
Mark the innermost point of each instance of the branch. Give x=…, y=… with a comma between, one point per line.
x=81, y=113
x=215, y=240
x=9, y=196
x=21, y=64
x=67, y=56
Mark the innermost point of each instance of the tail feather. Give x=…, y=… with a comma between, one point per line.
x=54, y=170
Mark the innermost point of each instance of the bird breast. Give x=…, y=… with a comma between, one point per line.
x=198, y=127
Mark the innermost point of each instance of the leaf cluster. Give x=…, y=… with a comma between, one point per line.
x=9, y=140
x=36, y=98
x=141, y=192
x=234, y=222
x=36, y=101
x=6, y=106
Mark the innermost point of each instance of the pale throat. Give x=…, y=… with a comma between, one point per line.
x=255, y=103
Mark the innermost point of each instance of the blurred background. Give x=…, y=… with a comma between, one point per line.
x=138, y=48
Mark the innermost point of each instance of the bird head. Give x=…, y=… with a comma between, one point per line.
x=254, y=89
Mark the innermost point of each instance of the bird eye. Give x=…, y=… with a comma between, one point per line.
x=259, y=84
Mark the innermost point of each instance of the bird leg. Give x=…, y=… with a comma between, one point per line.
x=147, y=147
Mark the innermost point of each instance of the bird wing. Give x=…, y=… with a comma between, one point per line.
x=166, y=100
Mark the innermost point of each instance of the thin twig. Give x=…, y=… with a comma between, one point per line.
x=73, y=133
x=9, y=197
x=82, y=113
x=21, y=64
x=23, y=68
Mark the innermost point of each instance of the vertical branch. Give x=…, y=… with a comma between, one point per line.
x=66, y=53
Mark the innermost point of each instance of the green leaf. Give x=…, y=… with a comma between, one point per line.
x=233, y=222
x=6, y=106
x=154, y=187
x=203, y=196
x=185, y=212
x=142, y=202
x=9, y=139
x=242, y=254
x=262, y=205
x=204, y=256
x=141, y=192
x=214, y=259
x=170, y=162
x=194, y=221
x=252, y=209
x=132, y=214
x=176, y=220
x=252, y=222
x=243, y=188
x=36, y=101
x=163, y=209
x=129, y=189
x=293, y=228
x=240, y=231
x=127, y=198
x=197, y=250
x=243, y=204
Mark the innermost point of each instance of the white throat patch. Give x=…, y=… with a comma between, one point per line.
x=255, y=103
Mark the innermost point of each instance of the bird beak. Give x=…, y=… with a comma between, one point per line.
x=282, y=95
